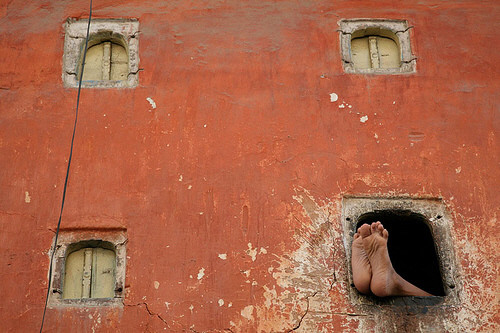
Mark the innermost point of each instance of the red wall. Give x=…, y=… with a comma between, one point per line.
x=245, y=153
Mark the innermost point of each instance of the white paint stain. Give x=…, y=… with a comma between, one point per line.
x=457, y=170
x=262, y=251
x=223, y=256
x=221, y=302
x=190, y=187
x=157, y=284
x=363, y=119
x=167, y=305
x=205, y=125
x=270, y=295
x=375, y=135
x=333, y=97
x=27, y=197
x=394, y=102
x=341, y=106
x=153, y=104
x=180, y=178
x=247, y=312
x=201, y=273
x=230, y=304
x=294, y=268
x=191, y=308
x=252, y=252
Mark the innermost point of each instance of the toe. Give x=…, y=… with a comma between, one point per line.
x=380, y=228
x=365, y=230
x=385, y=234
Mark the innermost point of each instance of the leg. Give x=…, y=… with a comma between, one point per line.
x=385, y=281
x=361, y=269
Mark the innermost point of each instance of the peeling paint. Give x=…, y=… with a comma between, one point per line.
x=252, y=252
x=201, y=274
x=152, y=102
x=363, y=119
x=333, y=97
x=247, y=312
x=27, y=197
x=222, y=256
x=306, y=271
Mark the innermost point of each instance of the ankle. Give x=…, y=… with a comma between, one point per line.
x=405, y=288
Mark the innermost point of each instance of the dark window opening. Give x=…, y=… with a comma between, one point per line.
x=411, y=247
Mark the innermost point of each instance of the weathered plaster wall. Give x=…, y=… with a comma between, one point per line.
x=230, y=189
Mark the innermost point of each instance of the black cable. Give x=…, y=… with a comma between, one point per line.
x=67, y=170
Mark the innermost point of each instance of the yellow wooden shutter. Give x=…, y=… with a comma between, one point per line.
x=73, y=277
x=103, y=273
x=119, y=63
x=90, y=273
x=375, y=52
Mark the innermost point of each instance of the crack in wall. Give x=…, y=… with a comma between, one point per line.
x=195, y=331
x=136, y=72
x=305, y=313
x=350, y=314
x=151, y=313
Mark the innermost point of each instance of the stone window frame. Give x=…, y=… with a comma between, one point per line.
x=440, y=223
x=399, y=27
x=65, y=243
x=100, y=29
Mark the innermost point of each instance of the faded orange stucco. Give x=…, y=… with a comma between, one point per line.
x=230, y=189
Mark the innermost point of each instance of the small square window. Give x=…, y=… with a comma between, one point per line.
x=89, y=269
x=376, y=46
x=112, y=59
x=420, y=245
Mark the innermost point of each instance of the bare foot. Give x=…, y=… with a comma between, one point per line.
x=385, y=281
x=361, y=269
